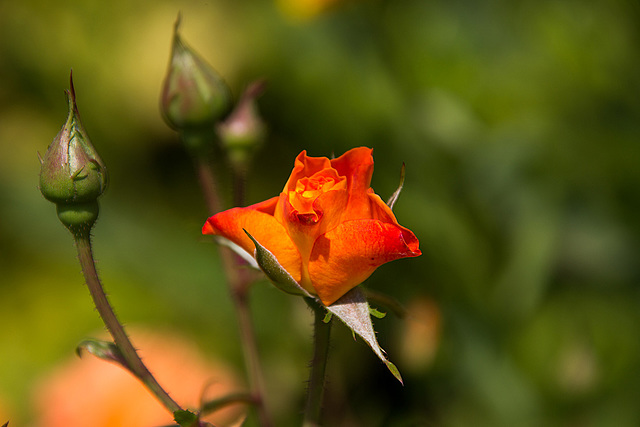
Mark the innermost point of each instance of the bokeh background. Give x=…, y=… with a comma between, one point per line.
x=518, y=121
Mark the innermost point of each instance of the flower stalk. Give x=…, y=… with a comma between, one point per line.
x=195, y=101
x=115, y=328
x=239, y=280
x=317, y=376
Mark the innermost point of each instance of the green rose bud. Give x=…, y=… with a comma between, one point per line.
x=72, y=174
x=194, y=96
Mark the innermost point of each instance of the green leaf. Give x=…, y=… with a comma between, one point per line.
x=105, y=350
x=387, y=302
x=376, y=313
x=328, y=317
x=221, y=402
x=186, y=418
x=394, y=197
x=275, y=272
x=353, y=309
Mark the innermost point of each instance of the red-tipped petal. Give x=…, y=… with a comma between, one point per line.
x=347, y=255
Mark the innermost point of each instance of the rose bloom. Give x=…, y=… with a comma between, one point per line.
x=91, y=392
x=327, y=228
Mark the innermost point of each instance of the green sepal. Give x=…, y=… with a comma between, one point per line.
x=353, y=309
x=5, y=424
x=280, y=277
x=394, y=197
x=186, y=418
x=105, y=350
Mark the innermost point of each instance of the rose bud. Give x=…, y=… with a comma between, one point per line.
x=327, y=228
x=194, y=96
x=243, y=131
x=72, y=175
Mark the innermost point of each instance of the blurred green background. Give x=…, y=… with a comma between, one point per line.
x=519, y=123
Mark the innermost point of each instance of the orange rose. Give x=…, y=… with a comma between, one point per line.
x=327, y=228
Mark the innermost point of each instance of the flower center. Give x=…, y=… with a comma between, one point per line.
x=308, y=189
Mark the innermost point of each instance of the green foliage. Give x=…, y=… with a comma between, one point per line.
x=186, y=418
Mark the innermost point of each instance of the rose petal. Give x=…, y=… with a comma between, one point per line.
x=347, y=255
x=258, y=220
x=380, y=210
x=305, y=166
x=357, y=165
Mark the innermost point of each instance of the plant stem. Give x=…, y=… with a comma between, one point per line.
x=315, y=391
x=209, y=186
x=238, y=279
x=115, y=328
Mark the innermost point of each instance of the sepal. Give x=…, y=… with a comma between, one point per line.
x=276, y=273
x=238, y=251
x=394, y=197
x=353, y=309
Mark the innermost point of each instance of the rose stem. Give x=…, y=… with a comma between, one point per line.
x=134, y=363
x=239, y=280
x=315, y=390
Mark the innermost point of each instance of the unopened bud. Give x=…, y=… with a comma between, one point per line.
x=194, y=96
x=72, y=174
x=243, y=131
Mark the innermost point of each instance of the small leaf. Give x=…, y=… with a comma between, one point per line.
x=231, y=399
x=394, y=370
x=352, y=308
x=275, y=272
x=328, y=317
x=394, y=197
x=386, y=301
x=104, y=350
x=376, y=313
x=186, y=418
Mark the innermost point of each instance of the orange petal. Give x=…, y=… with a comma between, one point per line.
x=357, y=165
x=258, y=220
x=347, y=255
x=305, y=166
x=380, y=210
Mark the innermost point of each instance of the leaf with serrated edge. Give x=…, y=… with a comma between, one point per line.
x=352, y=308
x=275, y=272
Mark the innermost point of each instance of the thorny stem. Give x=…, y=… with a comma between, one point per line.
x=239, y=280
x=133, y=361
x=315, y=390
